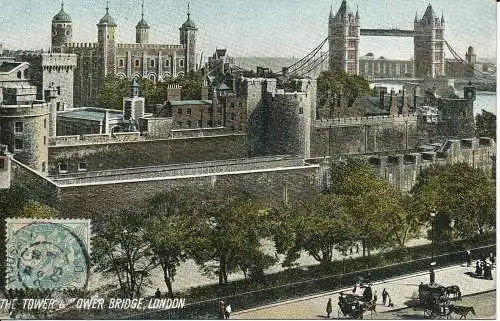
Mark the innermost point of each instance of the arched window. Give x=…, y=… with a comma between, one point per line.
x=181, y=63
x=137, y=63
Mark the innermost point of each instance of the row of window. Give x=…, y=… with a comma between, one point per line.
x=19, y=126
x=152, y=62
x=63, y=167
x=19, y=143
x=199, y=124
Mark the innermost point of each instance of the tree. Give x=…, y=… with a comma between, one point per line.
x=121, y=248
x=371, y=205
x=486, y=125
x=231, y=231
x=339, y=83
x=191, y=85
x=170, y=225
x=113, y=91
x=457, y=193
x=317, y=226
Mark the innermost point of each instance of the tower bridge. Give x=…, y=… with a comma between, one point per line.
x=387, y=32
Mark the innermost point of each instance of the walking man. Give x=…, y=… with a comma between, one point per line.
x=469, y=258
x=384, y=296
x=375, y=297
x=329, y=308
x=227, y=312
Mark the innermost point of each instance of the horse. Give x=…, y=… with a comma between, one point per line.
x=455, y=290
x=369, y=306
x=460, y=310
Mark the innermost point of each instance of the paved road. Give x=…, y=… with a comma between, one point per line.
x=484, y=304
x=403, y=291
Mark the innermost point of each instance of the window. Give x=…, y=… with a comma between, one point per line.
x=232, y=105
x=181, y=62
x=19, y=74
x=63, y=168
x=179, y=111
x=45, y=123
x=219, y=123
x=18, y=127
x=58, y=90
x=82, y=166
x=200, y=123
x=58, y=106
x=188, y=123
x=137, y=63
x=2, y=163
x=188, y=111
x=18, y=144
x=301, y=110
x=167, y=63
x=120, y=63
x=45, y=140
x=44, y=167
x=152, y=62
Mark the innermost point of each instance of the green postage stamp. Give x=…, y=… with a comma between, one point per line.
x=47, y=254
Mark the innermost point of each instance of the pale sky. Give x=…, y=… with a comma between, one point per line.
x=282, y=28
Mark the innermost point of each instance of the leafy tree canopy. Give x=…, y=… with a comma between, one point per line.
x=486, y=125
x=339, y=83
x=457, y=193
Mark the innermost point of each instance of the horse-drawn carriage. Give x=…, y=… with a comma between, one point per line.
x=354, y=306
x=436, y=299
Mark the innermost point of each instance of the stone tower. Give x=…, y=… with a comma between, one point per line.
x=106, y=44
x=343, y=39
x=24, y=126
x=142, y=29
x=429, y=45
x=470, y=56
x=188, y=40
x=62, y=30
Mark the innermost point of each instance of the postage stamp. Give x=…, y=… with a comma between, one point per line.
x=47, y=254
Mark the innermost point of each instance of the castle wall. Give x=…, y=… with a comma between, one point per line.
x=271, y=186
x=362, y=135
x=103, y=156
x=58, y=71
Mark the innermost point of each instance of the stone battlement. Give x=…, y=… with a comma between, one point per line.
x=324, y=123
x=81, y=45
x=58, y=59
x=148, y=46
x=94, y=138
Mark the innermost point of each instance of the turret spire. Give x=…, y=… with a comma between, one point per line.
x=357, y=13
x=62, y=4
x=442, y=17
x=189, y=11
x=142, y=9
x=107, y=6
x=416, y=16
x=331, y=11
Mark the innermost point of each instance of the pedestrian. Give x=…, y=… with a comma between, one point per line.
x=222, y=310
x=375, y=297
x=432, y=276
x=384, y=296
x=329, y=308
x=469, y=258
x=492, y=259
x=227, y=312
x=368, y=277
x=391, y=305
x=355, y=287
x=158, y=293
x=350, y=250
x=357, y=248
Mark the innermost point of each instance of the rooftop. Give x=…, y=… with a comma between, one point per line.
x=9, y=66
x=90, y=113
x=180, y=103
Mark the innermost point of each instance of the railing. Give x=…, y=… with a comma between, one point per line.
x=207, y=309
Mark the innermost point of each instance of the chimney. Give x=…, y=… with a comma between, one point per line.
x=106, y=122
x=394, y=106
x=405, y=103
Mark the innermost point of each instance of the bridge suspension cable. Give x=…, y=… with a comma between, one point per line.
x=301, y=63
x=315, y=64
x=457, y=57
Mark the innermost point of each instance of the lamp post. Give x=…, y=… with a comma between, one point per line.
x=433, y=218
x=432, y=274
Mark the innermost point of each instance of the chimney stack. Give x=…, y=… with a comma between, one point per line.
x=394, y=106
x=405, y=103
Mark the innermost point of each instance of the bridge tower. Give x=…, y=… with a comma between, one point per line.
x=343, y=39
x=429, y=45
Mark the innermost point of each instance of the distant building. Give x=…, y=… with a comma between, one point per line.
x=107, y=56
x=370, y=67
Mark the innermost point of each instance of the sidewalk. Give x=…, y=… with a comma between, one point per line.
x=403, y=290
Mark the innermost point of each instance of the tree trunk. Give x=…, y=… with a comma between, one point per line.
x=222, y=268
